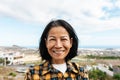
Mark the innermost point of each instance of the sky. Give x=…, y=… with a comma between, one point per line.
x=96, y=22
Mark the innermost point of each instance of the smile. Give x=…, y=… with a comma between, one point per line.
x=58, y=51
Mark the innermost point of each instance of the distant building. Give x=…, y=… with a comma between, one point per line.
x=11, y=56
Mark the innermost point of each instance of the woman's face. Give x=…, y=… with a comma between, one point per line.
x=58, y=44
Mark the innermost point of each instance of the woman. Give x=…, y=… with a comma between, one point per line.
x=58, y=45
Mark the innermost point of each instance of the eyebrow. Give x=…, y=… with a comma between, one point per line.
x=61, y=36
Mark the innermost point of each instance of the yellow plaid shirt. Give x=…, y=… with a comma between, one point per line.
x=46, y=71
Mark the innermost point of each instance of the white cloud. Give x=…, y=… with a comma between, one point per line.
x=82, y=11
x=85, y=14
x=118, y=3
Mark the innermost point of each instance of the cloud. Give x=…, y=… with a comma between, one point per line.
x=88, y=15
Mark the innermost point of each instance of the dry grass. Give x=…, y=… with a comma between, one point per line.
x=5, y=71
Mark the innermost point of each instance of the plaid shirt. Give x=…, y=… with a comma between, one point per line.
x=46, y=71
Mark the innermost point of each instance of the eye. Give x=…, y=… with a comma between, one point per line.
x=64, y=39
x=52, y=39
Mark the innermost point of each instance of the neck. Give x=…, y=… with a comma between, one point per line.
x=58, y=61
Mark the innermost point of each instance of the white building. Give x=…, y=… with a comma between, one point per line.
x=11, y=56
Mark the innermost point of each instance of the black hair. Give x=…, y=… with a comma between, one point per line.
x=42, y=44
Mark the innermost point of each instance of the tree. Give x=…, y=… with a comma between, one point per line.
x=97, y=74
x=4, y=61
x=1, y=60
x=116, y=76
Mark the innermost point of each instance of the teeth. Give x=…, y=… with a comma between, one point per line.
x=57, y=51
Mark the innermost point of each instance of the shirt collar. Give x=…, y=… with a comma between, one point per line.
x=47, y=67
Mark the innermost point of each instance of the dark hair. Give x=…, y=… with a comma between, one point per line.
x=42, y=45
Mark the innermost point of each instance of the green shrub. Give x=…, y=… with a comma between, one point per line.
x=12, y=74
x=1, y=60
x=116, y=76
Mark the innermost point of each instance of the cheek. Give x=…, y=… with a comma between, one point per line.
x=49, y=45
x=69, y=45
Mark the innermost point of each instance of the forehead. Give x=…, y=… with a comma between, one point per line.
x=59, y=30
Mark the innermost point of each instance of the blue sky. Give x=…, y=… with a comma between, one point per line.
x=97, y=22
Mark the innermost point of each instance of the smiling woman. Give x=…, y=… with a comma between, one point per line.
x=58, y=45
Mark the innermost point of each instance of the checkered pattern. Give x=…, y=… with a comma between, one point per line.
x=46, y=71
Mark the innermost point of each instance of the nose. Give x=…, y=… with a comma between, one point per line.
x=58, y=44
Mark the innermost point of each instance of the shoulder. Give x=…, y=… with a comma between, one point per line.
x=83, y=72
x=33, y=69
x=74, y=65
x=34, y=72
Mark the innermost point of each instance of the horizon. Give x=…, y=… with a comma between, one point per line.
x=96, y=22
x=96, y=47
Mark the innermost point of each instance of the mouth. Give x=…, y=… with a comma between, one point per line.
x=58, y=51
